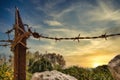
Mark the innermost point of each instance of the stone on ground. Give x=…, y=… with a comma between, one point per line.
x=51, y=75
x=114, y=67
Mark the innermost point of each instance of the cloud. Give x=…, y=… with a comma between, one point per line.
x=53, y=23
x=58, y=14
x=47, y=6
x=105, y=11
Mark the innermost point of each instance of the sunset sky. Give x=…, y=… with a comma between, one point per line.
x=67, y=18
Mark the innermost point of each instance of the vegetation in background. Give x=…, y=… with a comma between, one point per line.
x=6, y=70
x=40, y=66
x=37, y=62
x=50, y=60
x=42, y=62
x=98, y=73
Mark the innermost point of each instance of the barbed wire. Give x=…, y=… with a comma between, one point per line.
x=39, y=36
x=6, y=41
x=5, y=45
x=105, y=36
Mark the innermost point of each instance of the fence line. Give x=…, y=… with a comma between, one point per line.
x=38, y=36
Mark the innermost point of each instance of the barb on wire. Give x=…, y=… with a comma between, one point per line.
x=104, y=36
x=77, y=38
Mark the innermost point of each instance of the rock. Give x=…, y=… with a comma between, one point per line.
x=51, y=75
x=114, y=67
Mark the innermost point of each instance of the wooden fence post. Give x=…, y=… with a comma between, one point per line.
x=19, y=48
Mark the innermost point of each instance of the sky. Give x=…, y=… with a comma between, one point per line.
x=67, y=18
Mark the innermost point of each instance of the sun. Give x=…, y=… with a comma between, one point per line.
x=96, y=64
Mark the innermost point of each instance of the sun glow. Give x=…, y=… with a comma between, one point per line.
x=96, y=64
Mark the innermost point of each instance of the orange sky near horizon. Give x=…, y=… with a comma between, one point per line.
x=91, y=60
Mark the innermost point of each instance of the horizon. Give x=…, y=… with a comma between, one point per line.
x=67, y=18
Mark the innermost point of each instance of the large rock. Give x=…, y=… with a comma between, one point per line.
x=51, y=75
x=114, y=67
